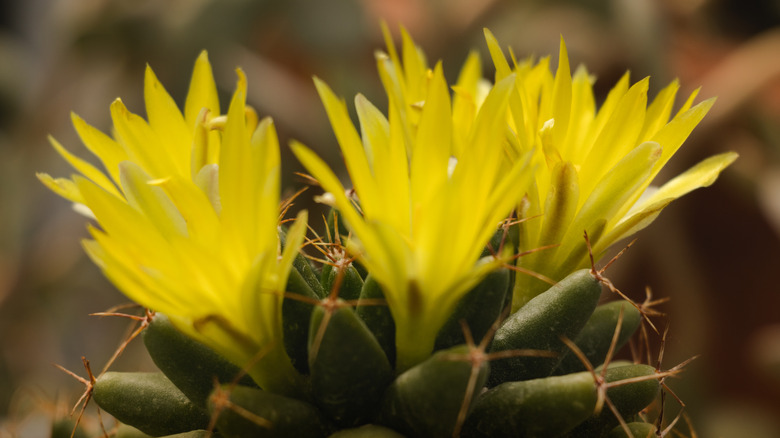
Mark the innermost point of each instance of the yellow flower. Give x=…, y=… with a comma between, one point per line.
x=431, y=192
x=188, y=218
x=594, y=166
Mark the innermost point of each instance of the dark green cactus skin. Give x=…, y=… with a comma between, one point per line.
x=563, y=310
x=288, y=417
x=349, y=369
x=377, y=318
x=149, y=402
x=296, y=314
x=553, y=406
x=425, y=400
x=542, y=407
x=367, y=431
x=351, y=282
x=479, y=309
x=66, y=428
x=190, y=365
x=125, y=431
x=351, y=390
x=638, y=430
x=303, y=266
x=595, y=338
x=629, y=399
x=309, y=276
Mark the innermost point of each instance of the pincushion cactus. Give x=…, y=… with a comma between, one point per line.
x=458, y=297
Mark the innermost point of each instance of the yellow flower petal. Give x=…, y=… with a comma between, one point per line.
x=195, y=208
x=375, y=130
x=631, y=225
x=617, y=186
x=166, y=120
x=561, y=203
x=119, y=219
x=465, y=100
x=85, y=168
x=103, y=146
x=142, y=144
x=352, y=147
x=61, y=186
x=672, y=136
x=659, y=111
x=202, y=92
x=562, y=95
x=701, y=175
x=430, y=156
x=152, y=201
x=499, y=60
x=619, y=135
x=329, y=182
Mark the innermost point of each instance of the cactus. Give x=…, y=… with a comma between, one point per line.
x=456, y=297
x=354, y=392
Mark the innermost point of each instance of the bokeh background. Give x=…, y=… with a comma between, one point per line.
x=715, y=252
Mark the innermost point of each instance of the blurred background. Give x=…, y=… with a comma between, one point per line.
x=715, y=252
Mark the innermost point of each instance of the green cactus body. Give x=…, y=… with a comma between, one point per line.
x=351, y=283
x=280, y=416
x=66, y=428
x=190, y=365
x=126, y=431
x=367, y=431
x=302, y=265
x=296, y=317
x=307, y=273
x=638, y=430
x=377, y=318
x=546, y=407
x=595, y=338
x=557, y=405
x=494, y=243
x=479, y=309
x=563, y=310
x=425, y=400
x=149, y=402
x=349, y=369
x=628, y=399
x=614, y=364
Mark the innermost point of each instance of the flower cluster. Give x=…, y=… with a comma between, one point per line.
x=594, y=166
x=188, y=215
x=431, y=191
x=188, y=207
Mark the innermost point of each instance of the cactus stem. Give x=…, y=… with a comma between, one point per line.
x=221, y=399
x=330, y=304
x=602, y=385
x=477, y=356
